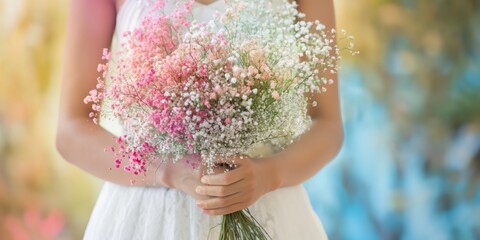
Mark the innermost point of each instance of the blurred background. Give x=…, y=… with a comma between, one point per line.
x=410, y=165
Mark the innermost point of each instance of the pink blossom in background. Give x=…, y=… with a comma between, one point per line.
x=34, y=225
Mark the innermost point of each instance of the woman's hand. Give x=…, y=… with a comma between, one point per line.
x=181, y=175
x=236, y=189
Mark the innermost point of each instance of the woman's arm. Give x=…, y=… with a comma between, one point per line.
x=90, y=28
x=313, y=150
x=238, y=189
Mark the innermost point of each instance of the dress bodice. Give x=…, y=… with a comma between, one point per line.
x=132, y=11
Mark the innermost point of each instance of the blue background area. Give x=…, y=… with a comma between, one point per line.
x=412, y=173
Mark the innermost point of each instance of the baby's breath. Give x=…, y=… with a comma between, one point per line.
x=219, y=88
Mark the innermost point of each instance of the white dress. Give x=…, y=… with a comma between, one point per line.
x=133, y=212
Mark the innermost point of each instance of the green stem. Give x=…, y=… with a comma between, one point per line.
x=242, y=225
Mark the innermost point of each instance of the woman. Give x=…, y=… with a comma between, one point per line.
x=173, y=203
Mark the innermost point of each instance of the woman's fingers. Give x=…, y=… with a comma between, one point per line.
x=222, y=190
x=225, y=178
x=231, y=191
x=219, y=202
x=226, y=210
x=223, y=202
x=225, y=196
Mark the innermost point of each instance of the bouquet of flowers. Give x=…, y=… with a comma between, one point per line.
x=214, y=88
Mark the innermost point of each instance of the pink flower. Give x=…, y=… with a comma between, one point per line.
x=106, y=54
x=34, y=225
x=275, y=95
x=87, y=99
x=213, y=95
x=272, y=84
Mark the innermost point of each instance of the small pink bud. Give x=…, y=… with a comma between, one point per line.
x=275, y=95
x=87, y=99
x=272, y=84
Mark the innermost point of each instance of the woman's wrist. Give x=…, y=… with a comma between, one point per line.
x=159, y=175
x=163, y=178
x=174, y=175
x=270, y=169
